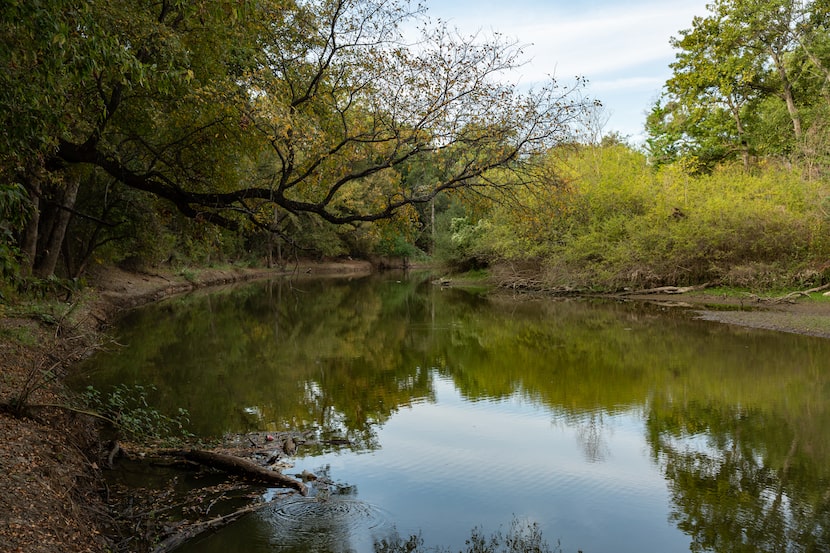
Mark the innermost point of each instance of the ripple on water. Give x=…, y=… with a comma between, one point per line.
x=332, y=524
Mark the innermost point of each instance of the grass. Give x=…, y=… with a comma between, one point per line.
x=19, y=334
x=189, y=274
x=474, y=275
x=728, y=292
x=772, y=293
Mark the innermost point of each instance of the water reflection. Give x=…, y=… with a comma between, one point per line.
x=332, y=518
x=587, y=417
x=741, y=480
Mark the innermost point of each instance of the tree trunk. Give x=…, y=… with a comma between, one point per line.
x=52, y=249
x=30, y=233
x=734, y=107
x=787, y=92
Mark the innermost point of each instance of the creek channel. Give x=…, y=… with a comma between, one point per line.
x=437, y=412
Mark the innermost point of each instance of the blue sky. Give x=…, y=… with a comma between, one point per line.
x=621, y=47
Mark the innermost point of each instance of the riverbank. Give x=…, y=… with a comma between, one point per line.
x=799, y=315
x=52, y=496
x=52, y=491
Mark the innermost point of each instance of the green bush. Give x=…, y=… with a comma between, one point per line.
x=133, y=417
x=13, y=214
x=611, y=221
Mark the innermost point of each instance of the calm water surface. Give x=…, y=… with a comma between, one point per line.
x=616, y=428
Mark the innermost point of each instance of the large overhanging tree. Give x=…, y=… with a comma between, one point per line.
x=232, y=109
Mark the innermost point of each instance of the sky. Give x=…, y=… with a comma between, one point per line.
x=622, y=47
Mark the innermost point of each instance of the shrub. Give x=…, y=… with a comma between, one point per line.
x=128, y=409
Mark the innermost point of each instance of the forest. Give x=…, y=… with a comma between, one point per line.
x=255, y=132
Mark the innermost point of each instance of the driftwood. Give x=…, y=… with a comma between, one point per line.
x=226, y=463
x=245, y=468
x=173, y=541
x=793, y=295
x=667, y=290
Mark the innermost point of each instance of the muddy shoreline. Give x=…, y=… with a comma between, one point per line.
x=52, y=496
x=805, y=316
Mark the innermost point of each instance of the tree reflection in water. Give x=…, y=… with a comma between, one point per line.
x=742, y=479
x=521, y=537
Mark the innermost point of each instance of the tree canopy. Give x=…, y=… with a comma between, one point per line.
x=750, y=79
x=239, y=112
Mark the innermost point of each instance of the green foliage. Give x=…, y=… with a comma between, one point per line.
x=13, y=212
x=128, y=409
x=617, y=222
x=708, y=228
x=750, y=79
x=397, y=246
x=272, y=118
x=466, y=238
x=463, y=236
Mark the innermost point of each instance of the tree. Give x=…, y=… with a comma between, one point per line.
x=342, y=105
x=714, y=82
x=735, y=71
x=227, y=109
x=117, y=85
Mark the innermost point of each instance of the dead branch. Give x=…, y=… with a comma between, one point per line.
x=667, y=290
x=71, y=409
x=232, y=465
x=798, y=294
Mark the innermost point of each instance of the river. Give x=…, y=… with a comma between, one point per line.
x=435, y=412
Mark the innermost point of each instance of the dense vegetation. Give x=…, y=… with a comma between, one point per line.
x=144, y=128
x=251, y=131
x=615, y=221
x=731, y=185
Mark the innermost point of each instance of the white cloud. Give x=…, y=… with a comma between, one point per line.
x=623, y=49
x=628, y=84
x=588, y=43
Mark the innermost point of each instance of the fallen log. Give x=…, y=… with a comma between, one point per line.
x=666, y=290
x=244, y=468
x=800, y=293
x=178, y=538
